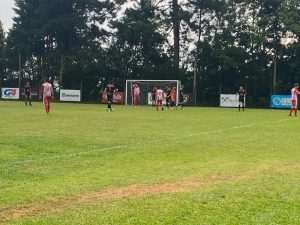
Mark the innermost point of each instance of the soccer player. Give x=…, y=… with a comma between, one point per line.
x=173, y=96
x=136, y=94
x=153, y=95
x=168, y=97
x=294, y=92
x=242, y=98
x=27, y=92
x=181, y=98
x=109, y=90
x=47, y=94
x=159, y=99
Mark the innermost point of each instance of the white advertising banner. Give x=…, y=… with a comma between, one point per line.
x=10, y=93
x=70, y=95
x=231, y=100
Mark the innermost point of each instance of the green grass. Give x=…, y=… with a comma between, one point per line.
x=248, y=164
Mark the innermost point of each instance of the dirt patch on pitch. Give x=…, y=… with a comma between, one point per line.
x=136, y=191
x=132, y=191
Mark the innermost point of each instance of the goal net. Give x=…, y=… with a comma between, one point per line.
x=147, y=87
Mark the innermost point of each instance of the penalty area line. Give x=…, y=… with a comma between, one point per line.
x=70, y=155
x=234, y=128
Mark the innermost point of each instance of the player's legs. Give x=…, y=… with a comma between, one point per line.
x=173, y=104
x=47, y=104
x=241, y=104
x=159, y=105
x=294, y=108
x=26, y=99
x=136, y=100
x=292, y=111
x=180, y=104
x=49, y=100
x=109, y=104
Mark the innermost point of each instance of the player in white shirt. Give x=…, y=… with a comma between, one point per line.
x=136, y=94
x=294, y=92
x=159, y=99
x=47, y=94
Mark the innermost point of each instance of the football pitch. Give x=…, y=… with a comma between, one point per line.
x=136, y=166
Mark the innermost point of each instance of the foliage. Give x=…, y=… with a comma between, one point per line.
x=86, y=43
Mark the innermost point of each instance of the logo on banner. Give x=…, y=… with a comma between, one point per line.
x=70, y=95
x=229, y=100
x=281, y=101
x=10, y=92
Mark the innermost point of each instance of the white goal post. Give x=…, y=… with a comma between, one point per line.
x=146, y=87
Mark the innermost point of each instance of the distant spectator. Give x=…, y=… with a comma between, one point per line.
x=109, y=90
x=27, y=93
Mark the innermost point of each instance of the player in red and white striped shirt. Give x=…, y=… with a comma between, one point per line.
x=159, y=99
x=294, y=92
x=47, y=94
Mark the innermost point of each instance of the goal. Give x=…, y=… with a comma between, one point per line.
x=146, y=88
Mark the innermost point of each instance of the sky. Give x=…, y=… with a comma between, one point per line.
x=7, y=13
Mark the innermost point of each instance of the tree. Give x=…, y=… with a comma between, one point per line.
x=2, y=55
x=139, y=44
x=55, y=37
x=233, y=42
x=176, y=33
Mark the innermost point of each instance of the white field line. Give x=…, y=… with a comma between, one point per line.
x=236, y=128
x=70, y=155
x=117, y=147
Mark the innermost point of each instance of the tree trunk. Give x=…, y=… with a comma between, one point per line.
x=20, y=71
x=274, y=82
x=62, y=70
x=41, y=68
x=197, y=60
x=176, y=33
x=195, y=90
